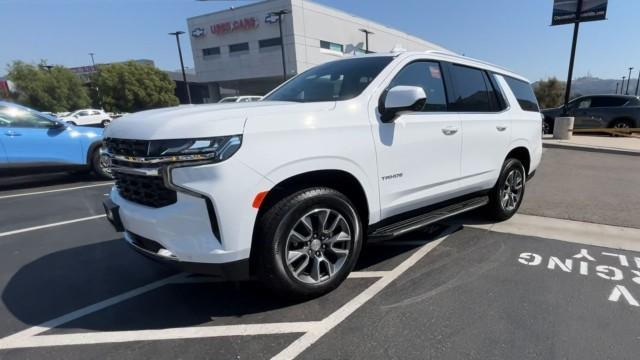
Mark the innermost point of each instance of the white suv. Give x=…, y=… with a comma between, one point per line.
x=287, y=189
x=88, y=117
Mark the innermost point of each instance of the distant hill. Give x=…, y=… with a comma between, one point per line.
x=590, y=85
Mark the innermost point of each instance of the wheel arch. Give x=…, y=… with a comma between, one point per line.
x=90, y=150
x=521, y=153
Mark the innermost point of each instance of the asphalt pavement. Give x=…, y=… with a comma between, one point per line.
x=72, y=289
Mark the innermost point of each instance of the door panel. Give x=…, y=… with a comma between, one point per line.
x=418, y=164
x=38, y=145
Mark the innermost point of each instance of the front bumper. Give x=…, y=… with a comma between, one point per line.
x=183, y=234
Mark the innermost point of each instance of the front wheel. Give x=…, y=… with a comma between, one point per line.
x=309, y=243
x=101, y=165
x=506, y=196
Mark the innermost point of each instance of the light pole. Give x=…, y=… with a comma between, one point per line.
x=627, y=91
x=280, y=14
x=93, y=63
x=622, y=86
x=184, y=75
x=638, y=83
x=617, y=84
x=366, y=39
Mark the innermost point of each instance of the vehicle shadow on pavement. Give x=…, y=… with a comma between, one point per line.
x=65, y=281
x=44, y=180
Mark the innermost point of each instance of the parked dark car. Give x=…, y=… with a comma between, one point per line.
x=598, y=111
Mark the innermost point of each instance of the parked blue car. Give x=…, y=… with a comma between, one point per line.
x=34, y=142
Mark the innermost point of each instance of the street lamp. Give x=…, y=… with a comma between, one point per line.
x=622, y=86
x=184, y=75
x=617, y=84
x=627, y=91
x=366, y=39
x=280, y=14
x=638, y=83
x=93, y=63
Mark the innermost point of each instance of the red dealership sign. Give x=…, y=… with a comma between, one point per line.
x=231, y=26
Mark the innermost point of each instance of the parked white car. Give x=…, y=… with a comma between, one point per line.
x=247, y=98
x=288, y=189
x=88, y=117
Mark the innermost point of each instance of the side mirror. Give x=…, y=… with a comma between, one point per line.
x=57, y=125
x=400, y=98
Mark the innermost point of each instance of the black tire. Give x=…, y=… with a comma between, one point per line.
x=497, y=209
x=99, y=167
x=274, y=243
x=105, y=123
x=547, y=126
x=621, y=124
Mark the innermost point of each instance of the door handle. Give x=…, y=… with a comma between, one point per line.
x=449, y=130
x=12, y=133
x=501, y=127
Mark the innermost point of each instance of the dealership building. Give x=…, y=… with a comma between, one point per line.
x=238, y=51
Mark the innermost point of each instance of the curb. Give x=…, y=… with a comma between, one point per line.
x=591, y=149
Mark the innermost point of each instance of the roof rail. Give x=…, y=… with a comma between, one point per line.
x=465, y=57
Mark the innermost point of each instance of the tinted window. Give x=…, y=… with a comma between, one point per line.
x=239, y=47
x=524, y=93
x=21, y=118
x=472, y=89
x=428, y=76
x=269, y=42
x=83, y=113
x=213, y=51
x=332, y=81
x=608, y=101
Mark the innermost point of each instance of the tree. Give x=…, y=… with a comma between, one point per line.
x=54, y=89
x=550, y=92
x=130, y=86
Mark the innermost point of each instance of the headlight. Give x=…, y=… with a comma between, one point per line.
x=213, y=149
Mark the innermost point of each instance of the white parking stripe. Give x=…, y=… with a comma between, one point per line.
x=194, y=332
x=324, y=326
x=19, y=338
x=39, y=227
x=616, y=237
x=367, y=274
x=55, y=190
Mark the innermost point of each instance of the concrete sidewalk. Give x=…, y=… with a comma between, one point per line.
x=608, y=144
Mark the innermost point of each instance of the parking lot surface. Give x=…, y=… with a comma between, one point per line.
x=71, y=288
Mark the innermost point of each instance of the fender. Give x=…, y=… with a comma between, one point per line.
x=297, y=167
x=94, y=145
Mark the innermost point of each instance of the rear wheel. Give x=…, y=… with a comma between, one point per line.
x=621, y=124
x=547, y=126
x=101, y=165
x=506, y=196
x=309, y=243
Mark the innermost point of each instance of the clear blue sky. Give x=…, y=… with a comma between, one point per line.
x=512, y=33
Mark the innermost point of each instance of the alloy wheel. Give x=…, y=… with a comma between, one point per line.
x=318, y=246
x=511, y=191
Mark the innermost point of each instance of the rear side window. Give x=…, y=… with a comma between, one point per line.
x=473, y=90
x=523, y=93
x=607, y=101
x=428, y=76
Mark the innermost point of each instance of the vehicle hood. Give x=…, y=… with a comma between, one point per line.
x=191, y=121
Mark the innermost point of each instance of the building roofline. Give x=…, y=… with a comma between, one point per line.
x=233, y=8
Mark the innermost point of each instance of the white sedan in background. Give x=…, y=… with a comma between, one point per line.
x=88, y=117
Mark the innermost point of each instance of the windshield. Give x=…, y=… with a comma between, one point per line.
x=337, y=80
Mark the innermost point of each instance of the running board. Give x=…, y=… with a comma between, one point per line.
x=422, y=220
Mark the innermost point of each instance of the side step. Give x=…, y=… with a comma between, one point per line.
x=422, y=220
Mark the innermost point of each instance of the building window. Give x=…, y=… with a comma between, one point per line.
x=210, y=52
x=269, y=42
x=331, y=46
x=234, y=48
